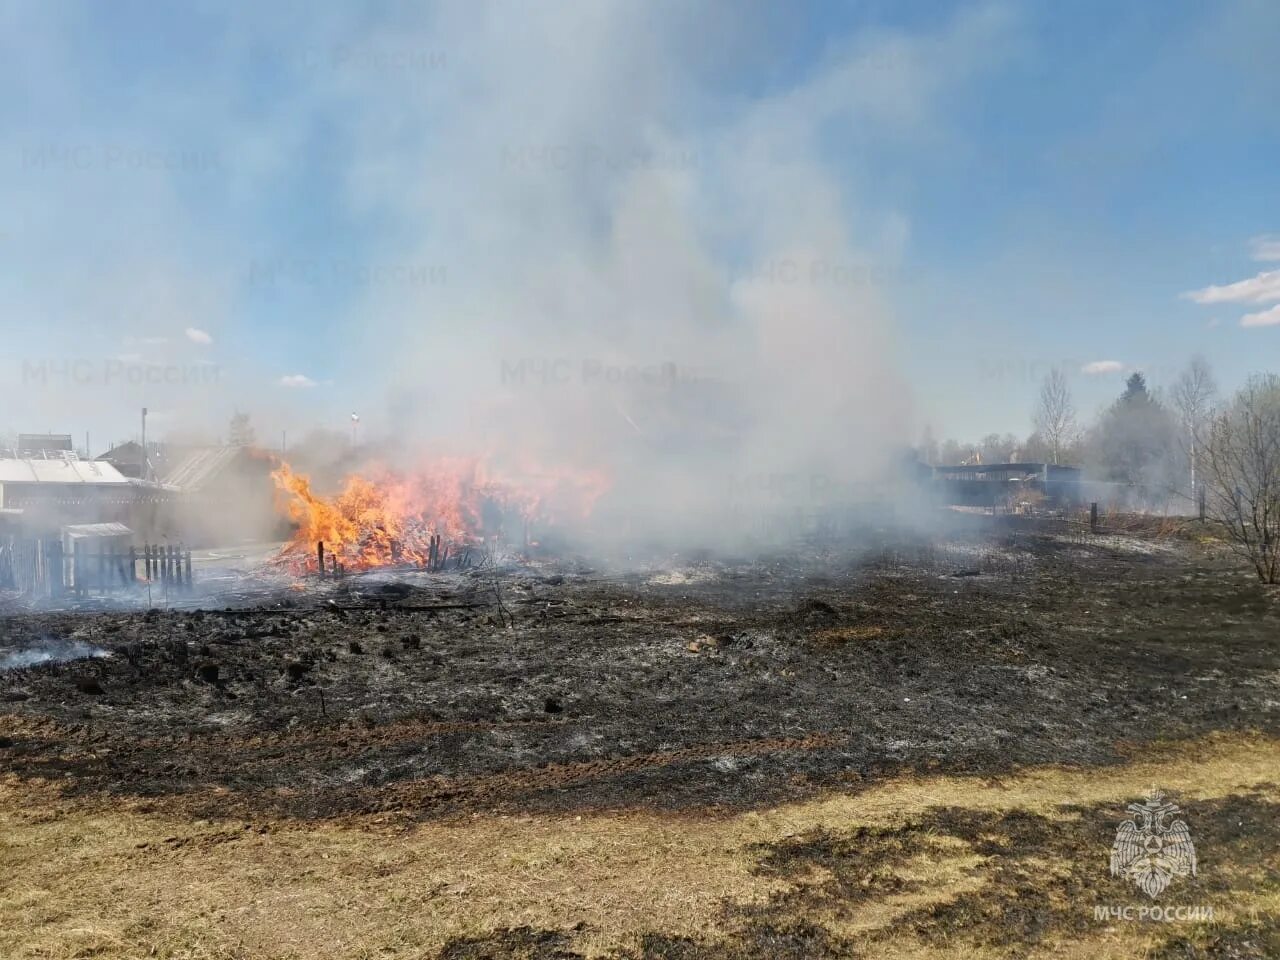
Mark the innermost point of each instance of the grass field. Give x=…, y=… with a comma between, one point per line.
x=912, y=867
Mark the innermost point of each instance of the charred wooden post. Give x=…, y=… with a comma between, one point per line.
x=1093, y=517
x=320, y=558
x=57, y=575
x=77, y=564
x=1203, y=504
x=133, y=564
x=189, y=580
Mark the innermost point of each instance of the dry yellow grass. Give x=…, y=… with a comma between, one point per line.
x=112, y=879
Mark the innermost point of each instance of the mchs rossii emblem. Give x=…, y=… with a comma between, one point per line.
x=1152, y=848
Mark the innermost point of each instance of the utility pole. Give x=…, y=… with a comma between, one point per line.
x=146, y=461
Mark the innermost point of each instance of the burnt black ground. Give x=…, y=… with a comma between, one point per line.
x=708, y=684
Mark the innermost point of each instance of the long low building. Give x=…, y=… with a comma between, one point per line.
x=54, y=491
x=986, y=484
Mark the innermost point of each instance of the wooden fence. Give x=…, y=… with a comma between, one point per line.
x=42, y=568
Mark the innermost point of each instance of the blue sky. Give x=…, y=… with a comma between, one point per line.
x=342, y=206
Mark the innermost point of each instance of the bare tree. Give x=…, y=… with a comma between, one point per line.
x=1055, y=416
x=1242, y=467
x=1193, y=394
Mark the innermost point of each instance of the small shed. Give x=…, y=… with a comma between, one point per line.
x=96, y=555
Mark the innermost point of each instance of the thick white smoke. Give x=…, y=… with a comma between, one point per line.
x=639, y=269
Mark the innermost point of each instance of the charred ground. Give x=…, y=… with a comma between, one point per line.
x=706, y=684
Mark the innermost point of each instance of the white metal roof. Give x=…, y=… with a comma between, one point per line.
x=77, y=530
x=31, y=470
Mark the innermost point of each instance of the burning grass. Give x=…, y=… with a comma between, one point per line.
x=420, y=517
x=909, y=868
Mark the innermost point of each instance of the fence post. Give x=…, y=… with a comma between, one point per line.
x=189, y=571
x=1202, y=502
x=320, y=558
x=55, y=571
x=1093, y=517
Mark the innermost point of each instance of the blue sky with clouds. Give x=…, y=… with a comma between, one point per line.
x=303, y=209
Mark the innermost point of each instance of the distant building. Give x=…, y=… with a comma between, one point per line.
x=989, y=484
x=125, y=457
x=227, y=495
x=38, y=444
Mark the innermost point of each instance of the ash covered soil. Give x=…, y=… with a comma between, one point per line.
x=691, y=684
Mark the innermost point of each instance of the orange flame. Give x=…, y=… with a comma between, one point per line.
x=422, y=516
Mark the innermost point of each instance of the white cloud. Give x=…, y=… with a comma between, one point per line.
x=1266, y=248
x=1265, y=318
x=1264, y=288
x=1095, y=367
x=198, y=336
x=296, y=380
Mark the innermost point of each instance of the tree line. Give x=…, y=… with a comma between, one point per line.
x=1176, y=448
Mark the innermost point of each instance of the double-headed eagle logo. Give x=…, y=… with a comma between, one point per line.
x=1150, y=852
